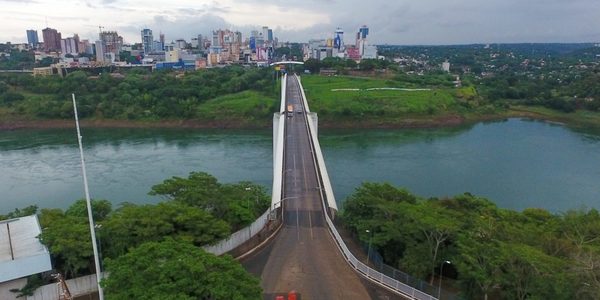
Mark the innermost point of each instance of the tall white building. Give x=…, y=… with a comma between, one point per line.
x=147, y=41
x=100, y=51
x=365, y=50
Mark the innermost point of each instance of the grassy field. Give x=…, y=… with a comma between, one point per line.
x=383, y=104
x=247, y=105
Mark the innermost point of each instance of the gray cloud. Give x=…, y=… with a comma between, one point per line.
x=393, y=22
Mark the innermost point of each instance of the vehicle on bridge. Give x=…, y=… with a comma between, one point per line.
x=290, y=110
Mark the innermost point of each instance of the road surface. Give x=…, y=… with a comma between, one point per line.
x=303, y=256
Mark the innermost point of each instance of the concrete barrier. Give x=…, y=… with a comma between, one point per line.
x=77, y=286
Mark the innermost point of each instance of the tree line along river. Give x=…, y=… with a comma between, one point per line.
x=515, y=163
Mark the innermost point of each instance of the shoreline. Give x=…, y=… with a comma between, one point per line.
x=439, y=121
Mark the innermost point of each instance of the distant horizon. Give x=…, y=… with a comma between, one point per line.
x=400, y=22
x=376, y=44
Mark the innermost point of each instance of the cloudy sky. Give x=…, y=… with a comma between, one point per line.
x=391, y=21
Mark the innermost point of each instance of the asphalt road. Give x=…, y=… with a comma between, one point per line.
x=303, y=256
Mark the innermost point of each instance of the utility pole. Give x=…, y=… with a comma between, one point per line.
x=89, y=205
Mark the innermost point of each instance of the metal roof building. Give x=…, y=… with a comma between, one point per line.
x=21, y=252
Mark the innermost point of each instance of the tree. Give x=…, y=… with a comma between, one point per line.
x=368, y=64
x=67, y=235
x=174, y=269
x=479, y=261
x=22, y=212
x=68, y=239
x=436, y=226
x=237, y=204
x=132, y=225
x=312, y=65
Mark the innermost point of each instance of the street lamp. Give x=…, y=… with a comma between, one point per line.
x=248, y=199
x=369, y=249
x=441, y=272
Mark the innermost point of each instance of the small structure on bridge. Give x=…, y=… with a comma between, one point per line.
x=21, y=254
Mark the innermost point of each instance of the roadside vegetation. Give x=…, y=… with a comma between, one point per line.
x=494, y=253
x=197, y=211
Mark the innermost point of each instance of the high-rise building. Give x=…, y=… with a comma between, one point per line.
x=100, y=51
x=85, y=47
x=362, y=32
x=338, y=39
x=69, y=45
x=201, y=42
x=32, y=38
x=51, y=39
x=181, y=44
x=158, y=46
x=365, y=50
x=112, y=42
x=270, y=35
x=147, y=41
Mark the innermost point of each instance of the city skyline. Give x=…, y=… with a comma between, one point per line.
x=400, y=22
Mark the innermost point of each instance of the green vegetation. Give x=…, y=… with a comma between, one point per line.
x=483, y=82
x=143, y=96
x=177, y=270
x=20, y=60
x=332, y=98
x=165, y=238
x=495, y=253
x=248, y=106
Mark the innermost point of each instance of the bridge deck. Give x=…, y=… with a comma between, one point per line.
x=303, y=257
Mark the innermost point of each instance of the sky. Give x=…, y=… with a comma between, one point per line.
x=401, y=22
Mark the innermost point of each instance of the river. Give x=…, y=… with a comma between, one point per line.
x=516, y=163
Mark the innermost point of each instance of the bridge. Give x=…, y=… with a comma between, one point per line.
x=308, y=255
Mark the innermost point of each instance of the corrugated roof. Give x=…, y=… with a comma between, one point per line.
x=21, y=252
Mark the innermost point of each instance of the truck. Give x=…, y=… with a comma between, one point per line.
x=290, y=110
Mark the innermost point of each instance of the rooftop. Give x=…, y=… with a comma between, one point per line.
x=21, y=252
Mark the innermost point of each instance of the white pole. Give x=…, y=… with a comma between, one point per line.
x=89, y=205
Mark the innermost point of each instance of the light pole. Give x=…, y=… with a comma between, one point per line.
x=441, y=272
x=248, y=199
x=369, y=249
x=88, y=202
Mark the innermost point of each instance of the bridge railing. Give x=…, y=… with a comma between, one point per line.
x=239, y=237
x=360, y=267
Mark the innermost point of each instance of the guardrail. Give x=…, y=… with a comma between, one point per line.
x=360, y=267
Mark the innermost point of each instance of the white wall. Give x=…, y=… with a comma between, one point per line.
x=5, y=287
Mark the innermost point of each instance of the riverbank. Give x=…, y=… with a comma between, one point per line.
x=19, y=123
x=579, y=119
